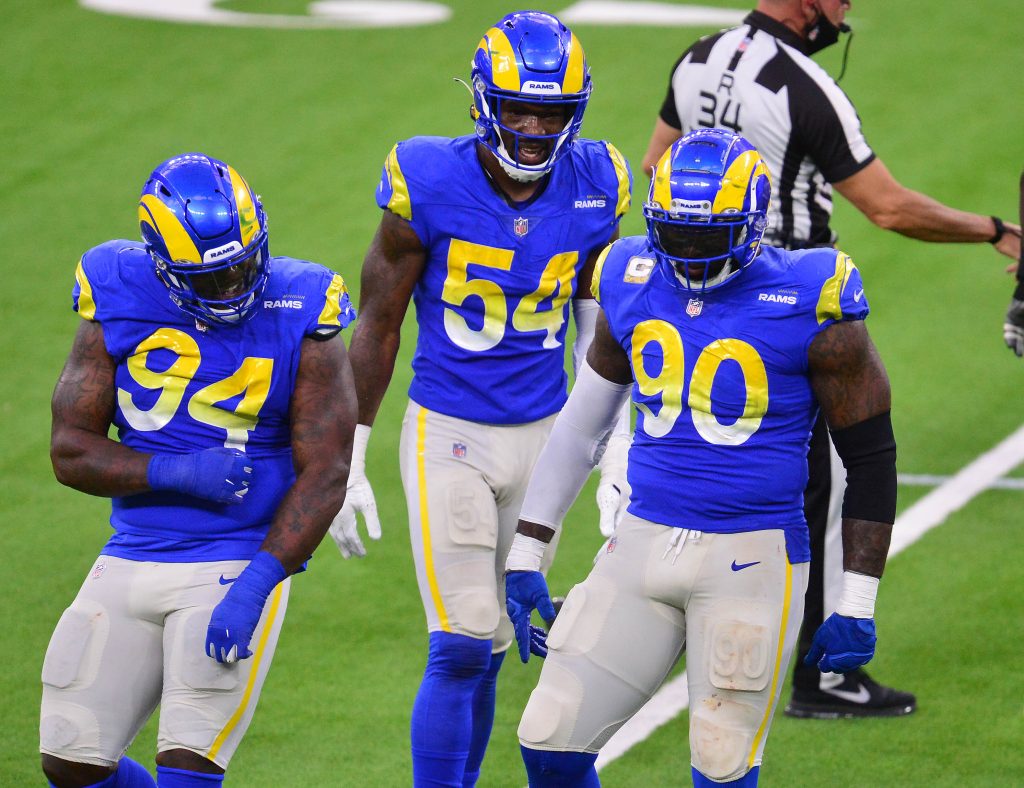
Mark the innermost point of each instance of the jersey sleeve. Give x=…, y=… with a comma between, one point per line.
x=841, y=294
x=409, y=182
x=623, y=181
x=336, y=310
x=830, y=130
x=96, y=282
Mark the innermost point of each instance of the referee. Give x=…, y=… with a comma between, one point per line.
x=759, y=81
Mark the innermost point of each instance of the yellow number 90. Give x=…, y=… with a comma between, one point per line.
x=669, y=381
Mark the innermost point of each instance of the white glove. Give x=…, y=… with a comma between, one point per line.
x=358, y=498
x=613, y=490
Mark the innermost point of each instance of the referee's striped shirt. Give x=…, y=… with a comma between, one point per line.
x=756, y=80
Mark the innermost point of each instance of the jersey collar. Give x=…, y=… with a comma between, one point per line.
x=761, y=21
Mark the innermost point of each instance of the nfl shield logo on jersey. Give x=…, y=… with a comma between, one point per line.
x=694, y=307
x=459, y=450
x=521, y=226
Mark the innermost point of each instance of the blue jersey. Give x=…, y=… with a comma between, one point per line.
x=724, y=400
x=493, y=300
x=183, y=387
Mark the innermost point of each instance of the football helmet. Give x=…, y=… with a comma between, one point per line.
x=207, y=234
x=707, y=208
x=532, y=58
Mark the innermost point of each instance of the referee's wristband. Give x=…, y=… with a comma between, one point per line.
x=1000, y=230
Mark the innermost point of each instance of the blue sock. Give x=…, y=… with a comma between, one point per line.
x=166, y=777
x=442, y=716
x=748, y=780
x=549, y=769
x=129, y=774
x=483, y=720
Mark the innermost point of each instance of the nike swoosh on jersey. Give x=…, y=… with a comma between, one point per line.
x=227, y=581
x=858, y=295
x=860, y=696
x=737, y=567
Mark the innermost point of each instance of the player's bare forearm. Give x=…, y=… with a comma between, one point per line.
x=847, y=375
x=865, y=546
x=391, y=268
x=323, y=419
x=892, y=206
x=82, y=409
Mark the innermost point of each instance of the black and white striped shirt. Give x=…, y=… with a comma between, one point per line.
x=756, y=80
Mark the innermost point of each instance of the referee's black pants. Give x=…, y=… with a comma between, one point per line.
x=816, y=499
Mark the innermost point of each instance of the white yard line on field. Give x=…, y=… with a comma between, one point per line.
x=952, y=494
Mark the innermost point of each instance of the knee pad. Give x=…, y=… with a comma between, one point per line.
x=458, y=656
x=721, y=737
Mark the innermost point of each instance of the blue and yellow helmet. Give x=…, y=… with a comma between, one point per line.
x=528, y=57
x=207, y=234
x=707, y=208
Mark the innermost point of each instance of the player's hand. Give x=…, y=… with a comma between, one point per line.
x=344, y=529
x=524, y=593
x=842, y=644
x=236, y=616
x=217, y=474
x=613, y=491
x=1013, y=328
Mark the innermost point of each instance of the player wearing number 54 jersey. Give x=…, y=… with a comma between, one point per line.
x=728, y=350
x=491, y=235
x=232, y=395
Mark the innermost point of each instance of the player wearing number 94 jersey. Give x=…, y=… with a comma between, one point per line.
x=491, y=235
x=728, y=350
x=232, y=395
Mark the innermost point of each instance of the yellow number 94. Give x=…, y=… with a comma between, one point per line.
x=251, y=379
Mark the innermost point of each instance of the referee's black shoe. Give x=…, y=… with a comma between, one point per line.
x=856, y=695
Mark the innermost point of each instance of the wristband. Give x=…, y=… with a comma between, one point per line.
x=359, y=441
x=1000, y=230
x=525, y=554
x=857, y=599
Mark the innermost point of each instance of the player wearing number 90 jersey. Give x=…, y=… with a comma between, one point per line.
x=728, y=351
x=232, y=395
x=723, y=375
x=490, y=235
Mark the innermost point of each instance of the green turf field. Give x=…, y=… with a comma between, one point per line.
x=91, y=103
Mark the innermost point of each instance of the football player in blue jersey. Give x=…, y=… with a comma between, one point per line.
x=231, y=391
x=729, y=349
x=490, y=235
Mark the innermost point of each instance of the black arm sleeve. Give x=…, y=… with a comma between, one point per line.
x=868, y=451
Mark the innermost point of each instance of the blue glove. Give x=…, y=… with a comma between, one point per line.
x=538, y=641
x=218, y=474
x=524, y=593
x=235, y=618
x=842, y=644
